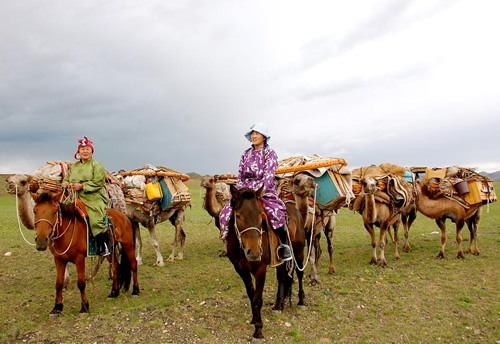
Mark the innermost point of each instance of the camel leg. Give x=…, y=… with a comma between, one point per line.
x=473, y=225
x=382, y=242
x=460, y=225
x=67, y=279
x=330, y=227
x=312, y=261
x=180, y=236
x=442, y=227
x=407, y=222
x=155, y=243
x=396, y=238
x=138, y=243
x=371, y=231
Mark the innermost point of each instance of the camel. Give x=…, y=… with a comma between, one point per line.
x=176, y=218
x=214, y=201
x=440, y=208
x=377, y=210
x=303, y=187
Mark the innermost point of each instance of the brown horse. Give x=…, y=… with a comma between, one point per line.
x=63, y=230
x=249, y=252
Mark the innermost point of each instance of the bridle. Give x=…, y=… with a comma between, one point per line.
x=240, y=233
x=55, y=232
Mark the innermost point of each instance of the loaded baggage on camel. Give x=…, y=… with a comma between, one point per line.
x=155, y=189
x=331, y=175
x=461, y=184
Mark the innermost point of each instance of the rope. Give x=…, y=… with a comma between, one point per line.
x=310, y=239
x=19, y=221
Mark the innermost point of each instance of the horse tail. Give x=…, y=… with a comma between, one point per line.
x=124, y=271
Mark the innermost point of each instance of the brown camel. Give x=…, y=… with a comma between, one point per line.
x=440, y=208
x=214, y=199
x=324, y=220
x=377, y=210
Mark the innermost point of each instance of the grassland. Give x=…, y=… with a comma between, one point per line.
x=417, y=299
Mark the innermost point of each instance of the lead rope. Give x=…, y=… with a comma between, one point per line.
x=19, y=221
x=310, y=239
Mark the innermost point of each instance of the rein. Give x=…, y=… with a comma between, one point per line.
x=55, y=234
x=19, y=221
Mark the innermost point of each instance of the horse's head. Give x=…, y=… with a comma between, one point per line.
x=47, y=213
x=370, y=185
x=248, y=214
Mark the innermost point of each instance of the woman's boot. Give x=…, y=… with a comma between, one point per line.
x=283, y=251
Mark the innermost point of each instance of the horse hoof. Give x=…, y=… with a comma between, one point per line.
x=258, y=340
x=302, y=307
x=54, y=315
x=113, y=295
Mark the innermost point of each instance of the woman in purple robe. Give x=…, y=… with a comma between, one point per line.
x=256, y=169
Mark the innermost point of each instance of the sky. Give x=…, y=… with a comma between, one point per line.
x=179, y=83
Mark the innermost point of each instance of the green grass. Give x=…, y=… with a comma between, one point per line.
x=417, y=299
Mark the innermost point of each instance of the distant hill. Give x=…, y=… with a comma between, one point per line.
x=494, y=175
x=194, y=175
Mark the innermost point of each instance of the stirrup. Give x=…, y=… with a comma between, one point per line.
x=285, y=249
x=106, y=251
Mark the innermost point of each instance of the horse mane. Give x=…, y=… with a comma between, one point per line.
x=66, y=208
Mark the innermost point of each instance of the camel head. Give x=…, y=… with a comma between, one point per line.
x=208, y=182
x=370, y=185
x=303, y=185
x=18, y=181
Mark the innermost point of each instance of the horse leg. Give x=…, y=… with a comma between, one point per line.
x=260, y=280
x=299, y=259
x=442, y=227
x=60, y=270
x=128, y=250
x=382, y=242
x=330, y=227
x=115, y=289
x=80, y=270
x=460, y=225
x=279, y=303
x=371, y=231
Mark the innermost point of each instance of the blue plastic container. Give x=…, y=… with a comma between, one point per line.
x=327, y=190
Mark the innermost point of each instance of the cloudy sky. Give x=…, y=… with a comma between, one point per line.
x=178, y=83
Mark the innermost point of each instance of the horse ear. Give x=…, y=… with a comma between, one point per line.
x=234, y=190
x=57, y=196
x=35, y=196
x=260, y=192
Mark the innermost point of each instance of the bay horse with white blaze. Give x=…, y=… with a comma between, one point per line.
x=63, y=230
x=249, y=251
